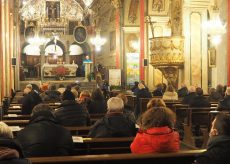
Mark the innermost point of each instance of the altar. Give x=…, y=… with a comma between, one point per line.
x=59, y=70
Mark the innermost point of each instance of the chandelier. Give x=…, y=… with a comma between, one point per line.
x=98, y=41
x=214, y=27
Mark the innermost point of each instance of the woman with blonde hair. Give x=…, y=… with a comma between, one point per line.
x=156, y=133
x=10, y=151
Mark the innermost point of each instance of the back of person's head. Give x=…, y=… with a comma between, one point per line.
x=220, y=88
x=192, y=89
x=170, y=88
x=26, y=91
x=227, y=92
x=41, y=108
x=29, y=86
x=123, y=97
x=68, y=95
x=141, y=86
x=211, y=91
x=183, y=85
x=157, y=117
x=115, y=104
x=44, y=87
x=199, y=91
x=52, y=87
x=222, y=124
x=85, y=94
x=68, y=87
x=5, y=131
x=136, y=83
x=97, y=94
x=156, y=102
x=159, y=86
x=75, y=92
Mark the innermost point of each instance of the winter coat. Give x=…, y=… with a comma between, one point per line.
x=189, y=97
x=113, y=125
x=218, y=151
x=224, y=104
x=72, y=114
x=11, y=152
x=199, y=101
x=156, y=140
x=29, y=101
x=44, y=137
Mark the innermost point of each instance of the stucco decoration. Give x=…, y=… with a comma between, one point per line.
x=176, y=19
x=133, y=8
x=158, y=7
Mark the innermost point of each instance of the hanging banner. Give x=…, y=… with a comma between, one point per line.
x=132, y=67
x=115, y=77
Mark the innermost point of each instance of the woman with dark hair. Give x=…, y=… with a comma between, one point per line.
x=156, y=134
x=97, y=102
x=218, y=148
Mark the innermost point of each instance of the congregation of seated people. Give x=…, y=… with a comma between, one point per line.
x=154, y=131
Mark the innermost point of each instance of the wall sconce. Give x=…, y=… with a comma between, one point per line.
x=98, y=41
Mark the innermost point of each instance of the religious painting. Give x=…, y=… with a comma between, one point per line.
x=53, y=9
x=158, y=7
x=112, y=40
x=80, y=34
x=212, y=57
x=132, y=67
x=29, y=32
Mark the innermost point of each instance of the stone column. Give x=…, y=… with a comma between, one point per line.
x=87, y=69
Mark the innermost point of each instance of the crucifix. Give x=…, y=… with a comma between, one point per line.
x=148, y=20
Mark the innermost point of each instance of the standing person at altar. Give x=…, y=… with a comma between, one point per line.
x=84, y=68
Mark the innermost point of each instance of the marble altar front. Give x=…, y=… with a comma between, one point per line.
x=54, y=70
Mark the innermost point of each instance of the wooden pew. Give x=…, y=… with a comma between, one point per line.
x=102, y=145
x=181, y=157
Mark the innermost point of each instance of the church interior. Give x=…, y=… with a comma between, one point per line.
x=120, y=42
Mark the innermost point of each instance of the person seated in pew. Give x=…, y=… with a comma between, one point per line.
x=191, y=94
x=30, y=99
x=199, y=100
x=218, y=147
x=115, y=123
x=156, y=133
x=214, y=96
x=10, y=150
x=97, y=102
x=127, y=109
x=225, y=103
x=183, y=91
x=52, y=94
x=170, y=93
x=158, y=90
x=142, y=93
x=70, y=112
x=43, y=136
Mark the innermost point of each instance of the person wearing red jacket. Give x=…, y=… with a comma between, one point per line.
x=156, y=134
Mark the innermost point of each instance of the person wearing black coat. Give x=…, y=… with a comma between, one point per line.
x=189, y=97
x=225, y=103
x=142, y=93
x=218, y=148
x=183, y=91
x=114, y=123
x=97, y=102
x=10, y=150
x=70, y=112
x=30, y=99
x=43, y=136
x=199, y=100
